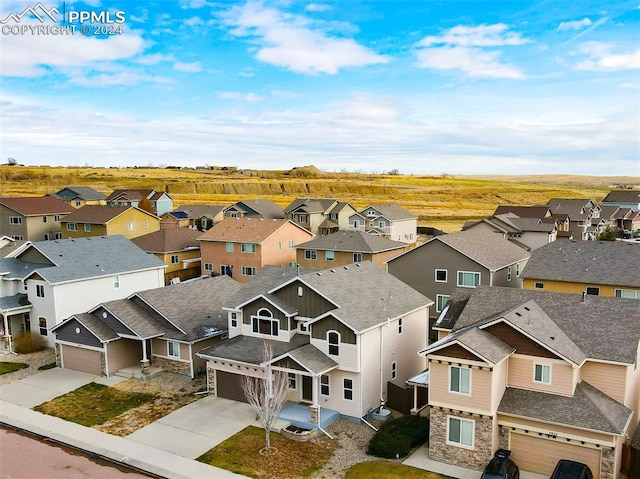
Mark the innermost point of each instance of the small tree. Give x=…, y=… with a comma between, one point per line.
x=607, y=235
x=267, y=395
x=145, y=204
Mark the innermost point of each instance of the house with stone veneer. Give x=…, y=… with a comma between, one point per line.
x=548, y=376
x=341, y=335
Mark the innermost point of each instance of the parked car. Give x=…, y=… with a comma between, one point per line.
x=566, y=469
x=501, y=467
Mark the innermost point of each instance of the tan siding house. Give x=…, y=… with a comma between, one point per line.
x=91, y=220
x=32, y=218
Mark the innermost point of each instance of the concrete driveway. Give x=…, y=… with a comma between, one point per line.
x=194, y=429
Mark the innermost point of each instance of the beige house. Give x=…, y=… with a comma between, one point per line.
x=545, y=375
x=32, y=218
x=388, y=221
x=79, y=196
x=91, y=220
x=321, y=216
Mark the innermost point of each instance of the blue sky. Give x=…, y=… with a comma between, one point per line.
x=425, y=87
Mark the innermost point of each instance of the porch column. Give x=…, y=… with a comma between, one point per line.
x=314, y=409
x=415, y=399
x=145, y=361
x=5, y=336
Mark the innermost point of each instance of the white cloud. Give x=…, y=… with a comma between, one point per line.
x=465, y=49
x=600, y=57
x=154, y=58
x=574, y=25
x=193, y=3
x=193, y=67
x=318, y=7
x=121, y=78
x=193, y=21
x=292, y=42
x=234, y=95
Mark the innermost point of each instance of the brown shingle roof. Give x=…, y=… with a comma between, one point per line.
x=168, y=240
x=32, y=206
x=249, y=230
x=523, y=211
x=129, y=194
x=96, y=214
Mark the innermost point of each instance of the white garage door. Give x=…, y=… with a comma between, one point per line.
x=80, y=359
x=541, y=455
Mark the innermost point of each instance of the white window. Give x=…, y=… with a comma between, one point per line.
x=539, y=285
x=460, y=431
x=468, y=279
x=248, y=247
x=459, y=380
x=72, y=227
x=356, y=224
x=248, y=271
x=234, y=320
x=44, y=219
x=542, y=373
x=116, y=281
x=46, y=237
x=290, y=243
x=87, y=227
x=381, y=224
x=310, y=254
x=593, y=290
x=347, y=389
x=517, y=270
x=324, y=385
x=58, y=236
x=627, y=293
x=78, y=203
x=509, y=273
x=441, y=301
x=146, y=224
x=173, y=349
x=15, y=220
x=130, y=226
x=56, y=217
x=228, y=247
x=265, y=323
x=400, y=326
x=357, y=257
x=441, y=276
x=302, y=218
x=40, y=290
x=293, y=381
x=300, y=291
x=208, y=266
x=394, y=370
x=329, y=255
x=17, y=237
x=333, y=338
x=175, y=259
x=42, y=325
x=279, y=246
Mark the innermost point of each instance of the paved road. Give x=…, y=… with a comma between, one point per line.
x=24, y=457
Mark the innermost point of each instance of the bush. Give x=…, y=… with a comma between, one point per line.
x=399, y=436
x=28, y=342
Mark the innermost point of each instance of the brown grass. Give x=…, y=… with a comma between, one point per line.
x=389, y=470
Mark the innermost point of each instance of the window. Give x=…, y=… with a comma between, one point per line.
x=130, y=226
x=310, y=254
x=381, y=224
x=347, y=389
x=40, y=290
x=46, y=237
x=228, y=247
x=290, y=243
x=357, y=257
x=234, y=320
x=302, y=218
x=356, y=224
x=72, y=227
x=542, y=373
x=265, y=323
x=58, y=236
x=441, y=302
x=593, y=290
x=208, y=266
x=44, y=219
x=460, y=431
x=539, y=285
x=300, y=291
x=175, y=259
x=459, y=380
x=509, y=273
x=441, y=276
x=468, y=279
x=293, y=382
x=517, y=270
x=400, y=326
x=87, y=227
x=116, y=281
x=248, y=248
x=279, y=246
x=324, y=385
x=42, y=324
x=329, y=255
x=394, y=370
x=333, y=338
x=17, y=237
x=56, y=217
x=146, y=224
x=15, y=220
x=627, y=293
x=173, y=349
x=248, y=271
x=78, y=203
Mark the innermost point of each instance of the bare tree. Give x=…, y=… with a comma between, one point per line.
x=267, y=395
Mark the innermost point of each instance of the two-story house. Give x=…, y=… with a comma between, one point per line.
x=341, y=335
x=92, y=220
x=546, y=375
x=623, y=198
x=346, y=247
x=528, y=233
x=203, y=217
x=579, y=212
x=178, y=248
x=160, y=200
x=604, y=268
x=78, y=196
x=389, y=221
x=157, y=328
x=256, y=208
x=43, y=283
x=32, y=218
x=240, y=247
x=321, y=216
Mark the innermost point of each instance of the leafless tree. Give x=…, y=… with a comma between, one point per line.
x=267, y=395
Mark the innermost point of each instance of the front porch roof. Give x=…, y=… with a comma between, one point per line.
x=310, y=358
x=248, y=349
x=421, y=379
x=16, y=304
x=96, y=326
x=589, y=408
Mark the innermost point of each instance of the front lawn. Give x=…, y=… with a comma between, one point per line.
x=389, y=470
x=93, y=404
x=44, y=367
x=11, y=367
x=241, y=454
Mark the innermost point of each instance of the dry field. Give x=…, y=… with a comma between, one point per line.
x=444, y=202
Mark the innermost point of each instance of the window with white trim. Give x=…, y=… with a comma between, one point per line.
x=145, y=224
x=173, y=349
x=400, y=326
x=248, y=271
x=347, y=389
x=15, y=220
x=290, y=244
x=324, y=385
x=40, y=290
x=175, y=259
x=627, y=293
x=459, y=379
x=460, y=431
x=87, y=227
x=131, y=226
x=17, y=237
x=538, y=285
x=279, y=246
x=56, y=217
x=265, y=323
x=509, y=273
x=44, y=219
x=116, y=281
x=78, y=203
x=42, y=325
x=333, y=338
x=248, y=248
x=468, y=279
x=357, y=257
x=310, y=254
x=441, y=276
x=329, y=255
x=234, y=320
x=517, y=270
x=228, y=246
x=593, y=290
x=46, y=237
x=394, y=370
x=441, y=301
x=72, y=227
x=208, y=266
x=293, y=381
x=542, y=373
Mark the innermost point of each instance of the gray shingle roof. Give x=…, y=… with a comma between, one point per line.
x=622, y=196
x=265, y=280
x=13, y=268
x=574, y=207
x=593, y=262
x=136, y=318
x=352, y=241
x=249, y=349
x=198, y=211
x=310, y=205
x=103, y=332
x=84, y=192
x=313, y=359
x=588, y=408
x=483, y=344
x=392, y=211
x=266, y=208
x=8, y=303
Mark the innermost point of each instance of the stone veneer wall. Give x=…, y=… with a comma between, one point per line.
x=103, y=364
x=607, y=465
x=173, y=366
x=211, y=381
x=58, y=356
x=503, y=441
x=476, y=458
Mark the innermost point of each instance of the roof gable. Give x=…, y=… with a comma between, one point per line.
x=37, y=205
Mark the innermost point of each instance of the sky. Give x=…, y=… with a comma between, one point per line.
x=420, y=87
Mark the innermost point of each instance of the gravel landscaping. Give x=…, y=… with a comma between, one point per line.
x=34, y=360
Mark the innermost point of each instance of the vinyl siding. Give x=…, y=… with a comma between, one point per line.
x=479, y=400
x=68, y=333
x=498, y=384
x=320, y=328
x=611, y=379
x=309, y=305
x=123, y=353
x=521, y=375
x=572, y=287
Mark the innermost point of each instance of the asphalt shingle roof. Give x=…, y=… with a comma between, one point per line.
x=482, y=343
x=392, y=211
x=98, y=214
x=136, y=318
x=313, y=359
x=249, y=349
x=248, y=230
x=310, y=205
x=622, y=196
x=12, y=302
x=84, y=192
x=198, y=211
x=168, y=240
x=523, y=211
x=95, y=325
x=13, y=268
x=266, y=208
x=33, y=206
x=593, y=262
x=352, y=241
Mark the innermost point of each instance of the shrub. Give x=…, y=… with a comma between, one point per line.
x=29, y=342
x=398, y=436
x=389, y=445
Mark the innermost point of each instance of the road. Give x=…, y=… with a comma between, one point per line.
x=26, y=457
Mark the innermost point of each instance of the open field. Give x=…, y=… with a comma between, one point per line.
x=444, y=202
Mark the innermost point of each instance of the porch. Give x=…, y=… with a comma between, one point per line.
x=14, y=319
x=136, y=372
x=299, y=415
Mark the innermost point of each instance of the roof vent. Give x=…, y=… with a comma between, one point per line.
x=346, y=267
x=553, y=338
x=526, y=308
x=332, y=270
x=518, y=314
x=319, y=273
x=357, y=265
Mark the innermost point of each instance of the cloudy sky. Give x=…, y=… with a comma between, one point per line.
x=425, y=87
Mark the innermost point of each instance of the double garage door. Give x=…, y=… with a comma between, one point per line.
x=80, y=359
x=540, y=455
x=228, y=386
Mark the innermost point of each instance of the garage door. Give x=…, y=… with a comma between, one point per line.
x=80, y=359
x=228, y=386
x=540, y=455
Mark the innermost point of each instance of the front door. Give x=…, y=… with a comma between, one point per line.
x=307, y=388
